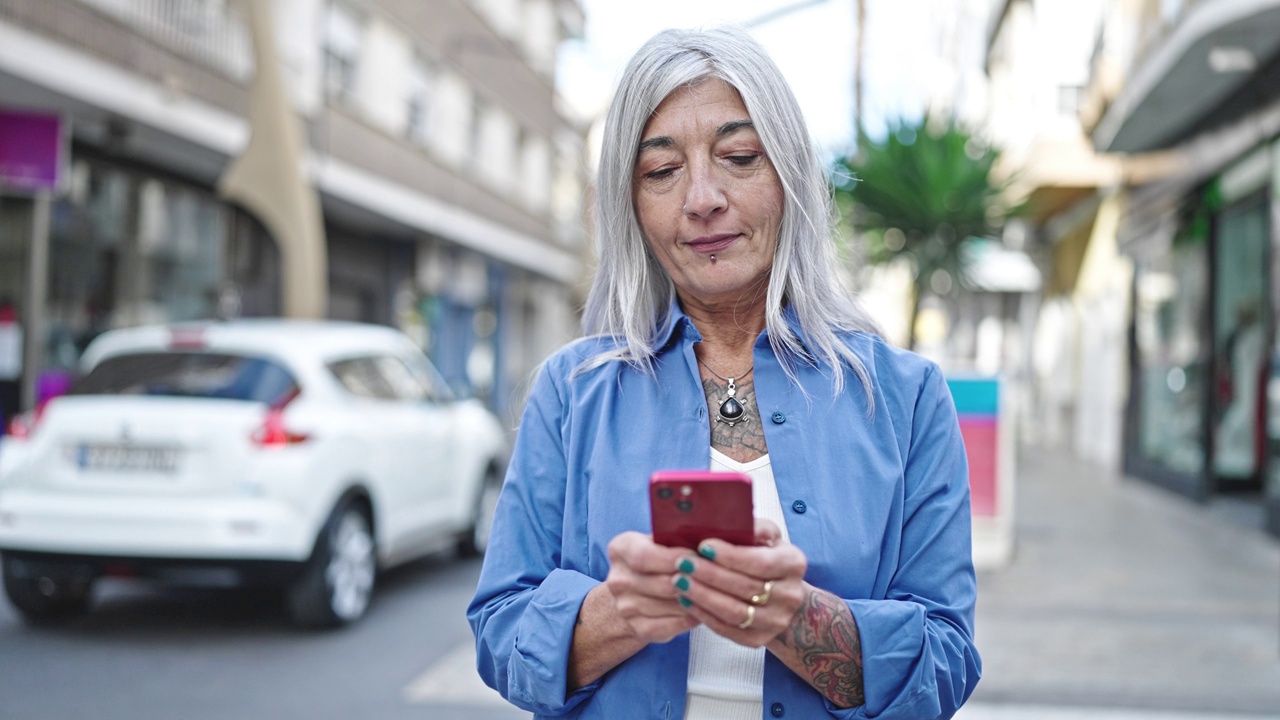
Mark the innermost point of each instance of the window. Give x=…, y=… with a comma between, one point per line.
x=1169, y=325
x=404, y=383
x=418, y=100
x=361, y=377
x=535, y=172
x=343, y=33
x=475, y=133
x=389, y=377
x=189, y=374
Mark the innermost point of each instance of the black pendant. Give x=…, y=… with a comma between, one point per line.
x=732, y=413
x=731, y=410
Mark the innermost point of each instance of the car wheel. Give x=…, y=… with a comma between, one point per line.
x=476, y=538
x=42, y=599
x=337, y=584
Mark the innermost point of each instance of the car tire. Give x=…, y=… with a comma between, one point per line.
x=41, y=599
x=475, y=540
x=337, y=584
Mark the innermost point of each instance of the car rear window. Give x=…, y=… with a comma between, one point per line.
x=189, y=374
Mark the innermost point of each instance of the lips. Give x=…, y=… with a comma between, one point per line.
x=713, y=243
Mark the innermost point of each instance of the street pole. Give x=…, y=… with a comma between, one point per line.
x=33, y=305
x=859, y=57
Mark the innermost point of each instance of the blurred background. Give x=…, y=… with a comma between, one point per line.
x=1072, y=205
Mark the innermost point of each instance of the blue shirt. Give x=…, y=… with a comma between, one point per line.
x=878, y=501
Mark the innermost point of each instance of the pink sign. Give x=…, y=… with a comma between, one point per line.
x=31, y=151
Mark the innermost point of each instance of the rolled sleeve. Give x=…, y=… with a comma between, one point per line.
x=919, y=657
x=526, y=605
x=536, y=670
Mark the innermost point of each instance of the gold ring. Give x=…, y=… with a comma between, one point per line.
x=763, y=597
x=751, y=617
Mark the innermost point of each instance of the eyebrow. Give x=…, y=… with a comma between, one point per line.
x=729, y=128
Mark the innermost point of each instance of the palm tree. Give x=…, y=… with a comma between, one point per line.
x=919, y=193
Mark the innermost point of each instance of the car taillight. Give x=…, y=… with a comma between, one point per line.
x=21, y=427
x=273, y=433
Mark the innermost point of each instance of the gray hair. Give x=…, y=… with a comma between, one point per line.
x=630, y=292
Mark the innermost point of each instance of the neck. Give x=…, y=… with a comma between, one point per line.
x=728, y=334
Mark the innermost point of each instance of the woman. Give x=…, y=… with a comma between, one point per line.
x=718, y=282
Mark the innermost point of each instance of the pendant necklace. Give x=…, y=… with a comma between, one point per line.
x=731, y=411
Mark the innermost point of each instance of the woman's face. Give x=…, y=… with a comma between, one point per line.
x=708, y=199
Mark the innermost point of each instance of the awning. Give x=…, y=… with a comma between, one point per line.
x=1208, y=57
x=992, y=267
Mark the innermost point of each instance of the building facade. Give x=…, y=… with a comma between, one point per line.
x=449, y=176
x=1201, y=83
x=1159, y=225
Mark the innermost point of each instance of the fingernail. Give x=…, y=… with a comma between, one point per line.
x=685, y=566
x=684, y=601
x=682, y=583
x=707, y=552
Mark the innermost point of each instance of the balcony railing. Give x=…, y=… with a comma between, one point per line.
x=208, y=31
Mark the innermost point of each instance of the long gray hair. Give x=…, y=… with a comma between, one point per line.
x=630, y=293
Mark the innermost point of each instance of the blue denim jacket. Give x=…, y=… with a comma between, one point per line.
x=878, y=501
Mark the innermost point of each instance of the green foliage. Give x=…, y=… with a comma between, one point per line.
x=920, y=192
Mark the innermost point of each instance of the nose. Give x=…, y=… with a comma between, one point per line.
x=704, y=195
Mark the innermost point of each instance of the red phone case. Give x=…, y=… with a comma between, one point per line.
x=689, y=506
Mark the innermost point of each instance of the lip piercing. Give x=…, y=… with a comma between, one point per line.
x=713, y=258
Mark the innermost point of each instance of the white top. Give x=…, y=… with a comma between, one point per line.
x=726, y=680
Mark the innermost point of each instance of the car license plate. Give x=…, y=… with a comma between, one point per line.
x=126, y=458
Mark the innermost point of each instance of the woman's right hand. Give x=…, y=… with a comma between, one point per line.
x=640, y=573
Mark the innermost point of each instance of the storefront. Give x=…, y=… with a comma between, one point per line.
x=1204, y=406
x=130, y=244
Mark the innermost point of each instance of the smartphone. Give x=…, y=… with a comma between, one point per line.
x=689, y=506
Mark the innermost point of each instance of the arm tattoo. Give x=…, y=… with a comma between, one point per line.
x=744, y=438
x=825, y=637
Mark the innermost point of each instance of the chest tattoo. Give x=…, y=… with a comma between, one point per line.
x=743, y=440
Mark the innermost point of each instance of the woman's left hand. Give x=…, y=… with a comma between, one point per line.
x=746, y=594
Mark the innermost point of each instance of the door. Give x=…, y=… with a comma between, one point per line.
x=423, y=471
x=1241, y=345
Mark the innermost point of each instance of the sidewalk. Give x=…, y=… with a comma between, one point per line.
x=1122, y=595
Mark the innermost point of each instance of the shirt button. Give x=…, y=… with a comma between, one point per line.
x=799, y=506
x=779, y=418
x=777, y=710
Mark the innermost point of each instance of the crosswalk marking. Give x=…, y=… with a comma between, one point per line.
x=453, y=679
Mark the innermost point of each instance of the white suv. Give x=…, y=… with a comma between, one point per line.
x=300, y=454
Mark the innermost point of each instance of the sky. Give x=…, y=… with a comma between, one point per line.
x=813, y=46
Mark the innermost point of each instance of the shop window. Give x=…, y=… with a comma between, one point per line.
x=1170, y=293
x=129, y=248
x=1240, y=322
x=252, y=287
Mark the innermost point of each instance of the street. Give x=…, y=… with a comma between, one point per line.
x=1122, y=602
x=158, y=653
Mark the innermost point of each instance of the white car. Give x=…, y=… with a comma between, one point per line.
x=306, y=455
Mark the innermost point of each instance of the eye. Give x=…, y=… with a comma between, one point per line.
x=744, y=159
x=660, y=173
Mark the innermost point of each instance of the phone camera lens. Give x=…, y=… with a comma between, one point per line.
x=664, y=493
x=684, y=505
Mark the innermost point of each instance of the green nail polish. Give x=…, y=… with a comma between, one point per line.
x=682, y=583
x=707, y=552
x=686, y=602
x=685, y=566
